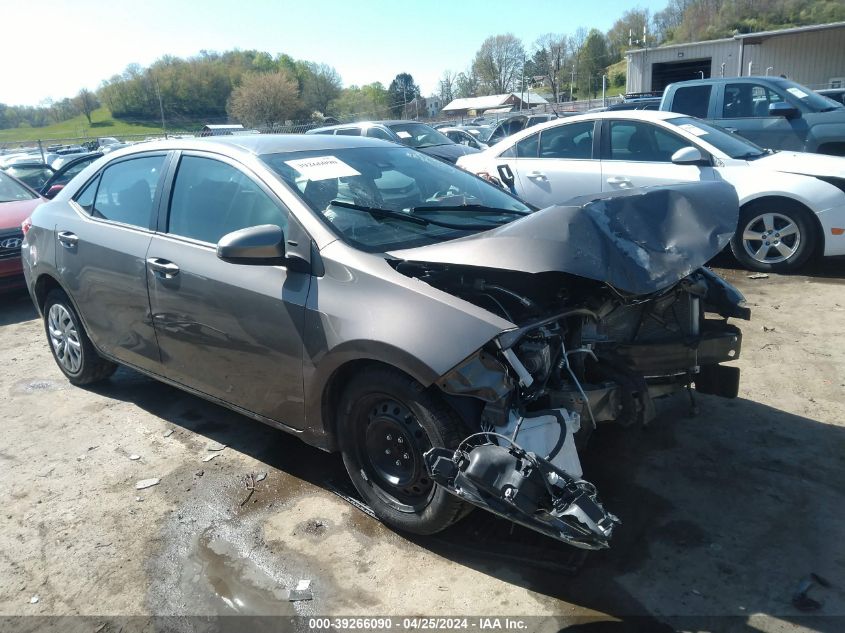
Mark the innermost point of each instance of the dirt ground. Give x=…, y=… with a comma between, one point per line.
x=723, y=513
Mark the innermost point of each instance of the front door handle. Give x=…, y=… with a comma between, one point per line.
x=67, y=239
x=537, y=175
x=163, y=267
x=619, y=181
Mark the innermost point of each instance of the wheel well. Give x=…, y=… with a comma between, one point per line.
x=789, y=202
x=468, y=409
x=43, y=286
x=334, y=390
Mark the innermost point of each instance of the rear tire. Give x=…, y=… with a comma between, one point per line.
x=386, y=421
x=71, y=347
x=774, y=236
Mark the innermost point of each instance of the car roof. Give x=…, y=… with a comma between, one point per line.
x=387, y=122
x=258, y=144
x=634, y=115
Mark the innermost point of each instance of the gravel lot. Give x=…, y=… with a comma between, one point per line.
x=723, y=513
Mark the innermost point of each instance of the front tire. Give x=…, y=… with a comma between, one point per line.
x=71, y=347
x=386, y=421
x=774, y=236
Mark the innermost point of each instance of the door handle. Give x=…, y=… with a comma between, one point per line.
x=621, y=181
x=163, y=267
x=67, y=239
x=537, y=175
x=731, y=129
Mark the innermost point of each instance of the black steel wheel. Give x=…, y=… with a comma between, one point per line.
x=386, y=422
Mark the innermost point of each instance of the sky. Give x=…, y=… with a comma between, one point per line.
x=59, y=46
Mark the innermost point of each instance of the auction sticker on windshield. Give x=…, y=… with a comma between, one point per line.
x=322, y=167
x=403, y=134
x=692, y=129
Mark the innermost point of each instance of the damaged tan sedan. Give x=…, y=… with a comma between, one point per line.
x=457, y=346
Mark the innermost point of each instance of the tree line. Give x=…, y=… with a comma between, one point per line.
x=259, y=89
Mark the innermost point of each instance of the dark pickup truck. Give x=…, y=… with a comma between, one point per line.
x=770, y=111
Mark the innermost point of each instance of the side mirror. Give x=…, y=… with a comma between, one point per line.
x=52, y=191
x=256, y=245
x=784, y=109
x=690, y=156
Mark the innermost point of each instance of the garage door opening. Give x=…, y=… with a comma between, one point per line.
x=664, y=73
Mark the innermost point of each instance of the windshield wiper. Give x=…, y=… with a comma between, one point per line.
x=468, y=207
x=387, y=213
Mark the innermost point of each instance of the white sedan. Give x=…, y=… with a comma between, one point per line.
x=792, y=203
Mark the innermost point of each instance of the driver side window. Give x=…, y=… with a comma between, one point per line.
x=211, y=199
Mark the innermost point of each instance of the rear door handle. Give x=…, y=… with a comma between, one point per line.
x=163, y=267
x=67, y=239
x=620, y=181
x=537, y=175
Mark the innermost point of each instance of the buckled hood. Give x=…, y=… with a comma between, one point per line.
x=639, y=241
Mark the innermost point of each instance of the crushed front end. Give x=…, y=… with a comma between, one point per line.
x=599, y=334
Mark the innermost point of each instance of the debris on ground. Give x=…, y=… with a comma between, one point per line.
x=249, y=480
x=800, y=599
x=261, y=477
x=147, y=483
x=215, y=446
x=134, y=457
x=766, y=328
x=208, y=458
x=758, y=276
x=301, y=592
x=139, y=498
x=168, y=433
x=34, y=599
x=199, y=473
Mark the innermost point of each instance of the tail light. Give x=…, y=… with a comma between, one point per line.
x=26, y=225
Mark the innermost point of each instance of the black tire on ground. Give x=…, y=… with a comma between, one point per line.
x=72, y=349
x=386, y=421
x=774, y=236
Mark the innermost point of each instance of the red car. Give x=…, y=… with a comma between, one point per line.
x=17, y=202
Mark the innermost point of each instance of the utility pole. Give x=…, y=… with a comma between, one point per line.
x=571, y=84
x=160, y=104
x=522, y=85
x=604, y=91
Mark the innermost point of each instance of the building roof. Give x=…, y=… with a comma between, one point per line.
x=491, y=101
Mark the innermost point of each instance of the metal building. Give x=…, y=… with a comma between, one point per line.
x=811, y=55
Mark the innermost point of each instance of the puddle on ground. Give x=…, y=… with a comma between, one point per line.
x=215, y=574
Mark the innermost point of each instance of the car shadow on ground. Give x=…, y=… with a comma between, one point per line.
x=821, y=269
x=722, y=513
x=16, y=307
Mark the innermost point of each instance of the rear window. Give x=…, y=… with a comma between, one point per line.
x=692, y=100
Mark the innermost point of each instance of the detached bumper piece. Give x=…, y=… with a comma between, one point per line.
x=525, y=489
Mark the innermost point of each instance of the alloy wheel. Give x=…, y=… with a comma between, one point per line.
x=64, y=338
x=770, y=238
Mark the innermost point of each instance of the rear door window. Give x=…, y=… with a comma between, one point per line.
x=127, y=190
x=349, y=131
x=692, y=100
x=574, y=140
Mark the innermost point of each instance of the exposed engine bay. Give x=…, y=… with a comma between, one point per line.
x=583, y=353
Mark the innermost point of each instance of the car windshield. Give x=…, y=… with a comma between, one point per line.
x=12, y=191
x=384, y=198
x=419, y=135
x=809, y=98
x=733, y=145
